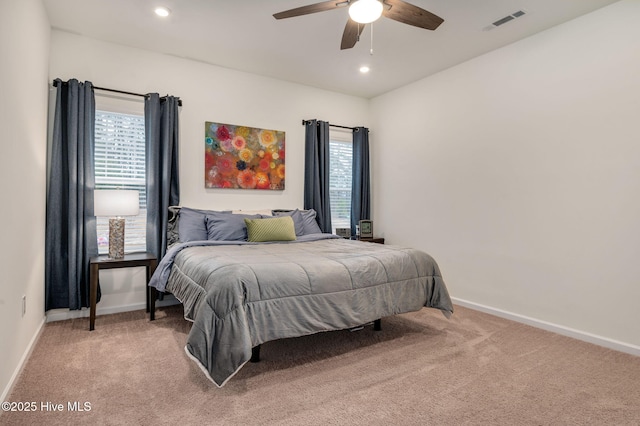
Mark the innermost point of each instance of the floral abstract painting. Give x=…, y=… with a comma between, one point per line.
x=243, y=157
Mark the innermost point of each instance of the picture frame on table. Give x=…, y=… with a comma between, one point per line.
x=366, y=228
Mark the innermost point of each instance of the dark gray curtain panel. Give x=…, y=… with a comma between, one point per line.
x=70, y=232
x=163, y=183
x=361, y=179
x=316, y=172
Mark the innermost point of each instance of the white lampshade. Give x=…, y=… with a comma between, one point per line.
x=116, y=202
x=365, y=11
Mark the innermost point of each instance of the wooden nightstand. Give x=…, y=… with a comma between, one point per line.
x=128, y=261
x=372, y=240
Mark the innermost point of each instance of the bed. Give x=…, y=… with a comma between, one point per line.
x=240, y=293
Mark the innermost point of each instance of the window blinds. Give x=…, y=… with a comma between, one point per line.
x=120, y=164
x=340, y=165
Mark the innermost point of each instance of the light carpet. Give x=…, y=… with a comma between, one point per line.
x=421, y=369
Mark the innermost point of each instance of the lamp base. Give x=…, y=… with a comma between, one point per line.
x=116, y=238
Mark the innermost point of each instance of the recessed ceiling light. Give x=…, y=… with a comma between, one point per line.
x=162, y=11
x=364, y=69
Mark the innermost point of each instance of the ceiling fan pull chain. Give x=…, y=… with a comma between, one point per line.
x=371, y=50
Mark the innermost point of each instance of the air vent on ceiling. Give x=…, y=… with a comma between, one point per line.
x=506, y=19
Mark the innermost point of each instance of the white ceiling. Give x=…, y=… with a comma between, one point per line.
x=243, y=35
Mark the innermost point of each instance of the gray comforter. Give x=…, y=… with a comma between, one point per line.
x=240, y=295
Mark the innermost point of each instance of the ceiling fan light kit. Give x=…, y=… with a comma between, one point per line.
x=365, y=11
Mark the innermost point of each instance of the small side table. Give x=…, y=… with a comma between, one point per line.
x=372, y=240
x=128, y=261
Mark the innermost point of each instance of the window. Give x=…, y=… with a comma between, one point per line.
x=120, y=164
x=340, y=165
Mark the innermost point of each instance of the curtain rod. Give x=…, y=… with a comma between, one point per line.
x=55, y=83
x=304, y=123
x=128, y=93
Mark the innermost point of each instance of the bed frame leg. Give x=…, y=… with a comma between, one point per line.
x=152, y=294
x=377, y=324
x=255, y=354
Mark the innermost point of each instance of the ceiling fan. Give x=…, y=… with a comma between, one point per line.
x=362, y=12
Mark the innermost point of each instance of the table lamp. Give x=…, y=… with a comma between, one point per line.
x=115, y=203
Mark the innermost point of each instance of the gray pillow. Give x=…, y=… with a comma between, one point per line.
x=304, y=221
x=228, y=226
x=192, y=225
x=309, y=222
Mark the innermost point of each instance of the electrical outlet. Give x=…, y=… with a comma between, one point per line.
x=24, y=304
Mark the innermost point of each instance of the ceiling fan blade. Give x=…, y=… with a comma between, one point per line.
x=351, y=34
x=404, y=12
x=312, y=8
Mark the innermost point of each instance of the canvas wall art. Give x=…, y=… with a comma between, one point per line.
x=243, y=157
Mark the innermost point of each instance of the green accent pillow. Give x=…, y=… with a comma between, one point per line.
x=272, y=229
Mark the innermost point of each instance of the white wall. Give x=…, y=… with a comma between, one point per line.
x=519, y=171
x=24, y=49
x=209, y=93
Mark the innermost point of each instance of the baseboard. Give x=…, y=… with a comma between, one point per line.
x=555, y=328
x=27, y=353
x=65, y=314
